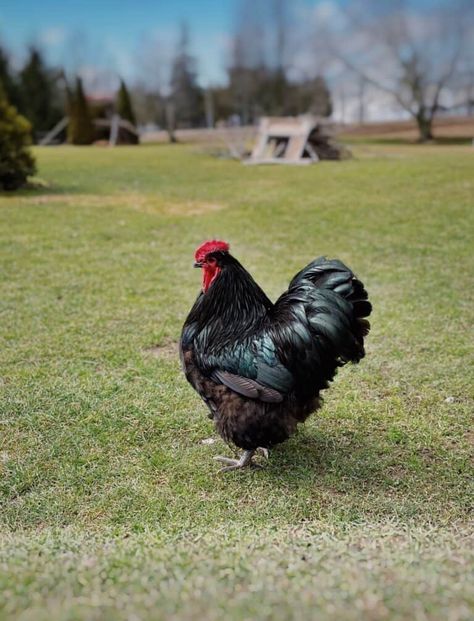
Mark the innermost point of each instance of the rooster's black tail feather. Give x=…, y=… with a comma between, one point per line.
x=337, y=307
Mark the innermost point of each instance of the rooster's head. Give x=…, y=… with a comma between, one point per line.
x=209, y=257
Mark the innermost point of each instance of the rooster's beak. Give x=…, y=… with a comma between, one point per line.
x=197, y=264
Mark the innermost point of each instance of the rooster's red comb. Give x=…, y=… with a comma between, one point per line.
x=210, y=246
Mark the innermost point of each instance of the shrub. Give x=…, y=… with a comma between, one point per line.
x=16, y=160
x=80, y=128
x=124, y=104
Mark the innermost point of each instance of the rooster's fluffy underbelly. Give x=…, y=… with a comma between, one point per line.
x=247, y=423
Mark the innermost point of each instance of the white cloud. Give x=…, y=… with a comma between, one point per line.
x=326, y=11
x=98, y=81
x=53, y=36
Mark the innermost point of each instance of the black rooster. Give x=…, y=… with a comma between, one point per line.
x=260, y=366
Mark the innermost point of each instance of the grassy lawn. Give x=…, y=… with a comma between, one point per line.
x=111, y=505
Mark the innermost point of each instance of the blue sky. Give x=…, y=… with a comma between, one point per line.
x=119, y=34
x=118, y=28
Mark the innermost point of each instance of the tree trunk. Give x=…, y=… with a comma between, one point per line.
x=209, y=108
x=361, y=95
x=425, y=126
x=170, y=121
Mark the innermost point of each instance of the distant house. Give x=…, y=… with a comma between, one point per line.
x=109, y=127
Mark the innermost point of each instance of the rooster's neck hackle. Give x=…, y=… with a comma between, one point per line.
x=233, y=304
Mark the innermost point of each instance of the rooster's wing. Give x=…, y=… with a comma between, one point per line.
x=317, y=325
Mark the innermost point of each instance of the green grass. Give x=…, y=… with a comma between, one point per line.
x=111, y=506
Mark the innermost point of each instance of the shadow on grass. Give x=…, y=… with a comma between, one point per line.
x=39, y=187
x=368, y=464
x=324, y=455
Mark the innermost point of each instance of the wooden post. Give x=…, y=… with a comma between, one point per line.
x=55, y=131
x=209, y=106
x=170, y=120
x=114, y=130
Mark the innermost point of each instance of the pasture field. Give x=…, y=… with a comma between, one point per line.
x=112, y=507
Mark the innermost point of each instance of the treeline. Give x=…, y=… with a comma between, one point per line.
x=257, y=84
x=44, y=96
x=34, y=90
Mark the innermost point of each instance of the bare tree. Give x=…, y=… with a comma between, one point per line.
x=150, y=89
x=185, y=93
x=247, y=58
x=281, y=18
x=414, y=57
x=151, y=61
x=262, y=62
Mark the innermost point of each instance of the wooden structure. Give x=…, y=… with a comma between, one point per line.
x=111, y=131
x=116, y=131
x=294, y=140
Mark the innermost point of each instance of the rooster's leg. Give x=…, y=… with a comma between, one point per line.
x=235, y=464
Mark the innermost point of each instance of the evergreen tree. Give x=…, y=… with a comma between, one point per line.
x=186, y=96
x=10, y=85
x=124, y=104
x=272, y=93
x=16, y=161
x=321, y=103
x=245, y=78
x=309, y=97
x=39, y=93
x=69, y=97
x=80, y=127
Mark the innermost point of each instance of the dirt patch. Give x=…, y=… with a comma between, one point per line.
x=451, y=127
x=138, y=202
x=192, y=208
x=76, y=200
x=470, y=438
x=165, y=351
x=160, y=205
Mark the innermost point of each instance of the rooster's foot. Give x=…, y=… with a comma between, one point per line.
x=235, y=464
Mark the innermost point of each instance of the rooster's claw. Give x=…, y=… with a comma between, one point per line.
x=235, y=464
